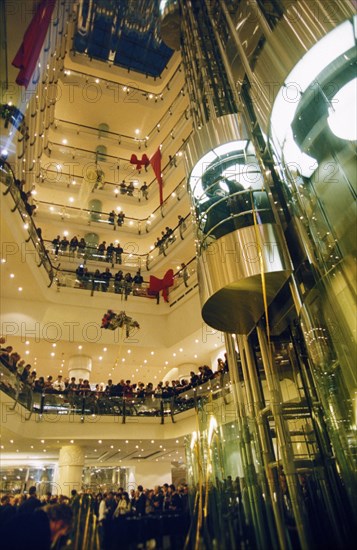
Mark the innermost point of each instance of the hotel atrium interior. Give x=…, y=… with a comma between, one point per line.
x=206, y=148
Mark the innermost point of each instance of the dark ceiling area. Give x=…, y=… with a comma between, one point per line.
x=124, y=33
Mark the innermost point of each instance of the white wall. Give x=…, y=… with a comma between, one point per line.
x=149, y=474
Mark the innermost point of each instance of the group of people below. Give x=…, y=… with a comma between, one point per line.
x=29, y=520
x=165, y=498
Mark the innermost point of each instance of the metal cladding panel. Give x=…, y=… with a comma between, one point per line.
x=304, y=23
x=217, y=132
x=230, y=276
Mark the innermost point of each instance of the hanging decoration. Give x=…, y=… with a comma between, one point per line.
x=143, y=162
x=155, y=161
x=28, y=54
x=112, y=321
x=162, y=284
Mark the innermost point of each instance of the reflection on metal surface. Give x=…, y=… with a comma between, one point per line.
x=225, y=129
x=229, y=273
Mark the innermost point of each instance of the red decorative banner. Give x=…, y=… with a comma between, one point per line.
x=155, y=161
x=28, y=54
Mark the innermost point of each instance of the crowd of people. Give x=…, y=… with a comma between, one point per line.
x=77, y=246
x=35, y=524
x=47, y=519
x=124, y=388
x=100, y=280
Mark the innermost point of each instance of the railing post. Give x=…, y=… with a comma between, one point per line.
x=162, y=413
x=172, y=404
x=124, y=411
x=42, y=403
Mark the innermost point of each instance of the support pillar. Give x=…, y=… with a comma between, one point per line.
x=70, y=468
x=80, y=366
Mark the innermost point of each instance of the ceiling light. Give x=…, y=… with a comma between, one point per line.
x=27, y=352
x=104, y=349
x=80, y=347
x=53, y=354
x=151, y=352
x=71, y=199
x=97, y=80
x=54, y=345
x=129, y=350
x=72, y=441
x=64, y=141
x=100, y=358
x=20, y=289
x=137, y=131
x=174, y=354
x=12, y=275
x=181, y=349
x=3, y=261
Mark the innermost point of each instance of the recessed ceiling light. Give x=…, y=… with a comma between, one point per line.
x=80, y=347
x=54, y=345
x=72, y=441
x=137, y=131
x=27, y=352
x=104, y=349
x=195, y=356
x=53, y=354
x=12, y=275
x=20, y=289
x=64, y=141
x=129, y=350
x=166, y=362
x=174, y=354
x=100, y=358
x=3, y=260
x=181, y=349
x=71, y=199
x=196, y=341
x=99, y=441
x=145, y=361
x=151, y=353
x=97, y=80
x=42, y=440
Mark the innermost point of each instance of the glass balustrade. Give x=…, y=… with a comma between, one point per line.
x=94, y=403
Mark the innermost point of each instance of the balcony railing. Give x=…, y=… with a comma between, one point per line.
x=7, y=178
x=89, y=404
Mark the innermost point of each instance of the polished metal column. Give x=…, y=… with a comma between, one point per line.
x=284, y=445
x=263, y=438
x=249, y=467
